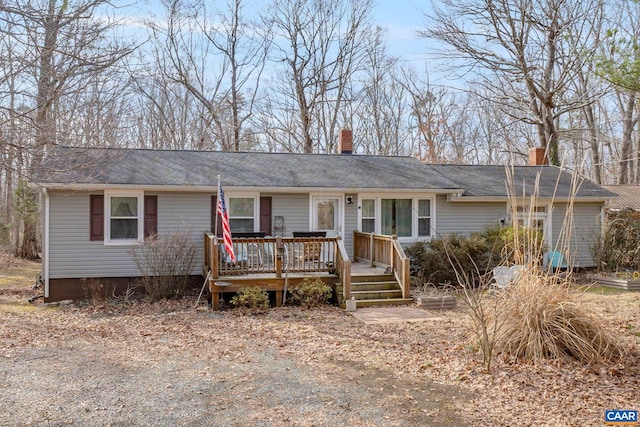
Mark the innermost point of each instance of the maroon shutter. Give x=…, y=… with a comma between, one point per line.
x=96, y=217
x=265, y=215
x=150, y=215
x=214, y=209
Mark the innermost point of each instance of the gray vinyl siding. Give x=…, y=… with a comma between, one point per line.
x=73, y=255
x=188, y=213
x=293, y=208
x=575, y=238
x=350, y=224
x=464, y=218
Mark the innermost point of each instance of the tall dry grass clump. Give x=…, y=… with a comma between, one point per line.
x=537, y=315
x=542, y=318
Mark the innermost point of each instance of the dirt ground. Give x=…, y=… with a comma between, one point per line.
x=170, y=364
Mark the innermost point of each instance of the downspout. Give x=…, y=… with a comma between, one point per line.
x=45, y=244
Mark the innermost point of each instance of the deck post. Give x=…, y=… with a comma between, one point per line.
x=215, y=300
x=392, y=252
x=279, y=256
x=213, y=260
x=373, y=264
x=346, y=280
x=406, y=278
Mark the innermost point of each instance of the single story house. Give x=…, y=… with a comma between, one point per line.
x=99, y=202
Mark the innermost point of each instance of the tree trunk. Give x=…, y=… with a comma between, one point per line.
x=628, y=124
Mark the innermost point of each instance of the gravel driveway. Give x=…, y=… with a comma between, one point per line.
x=84, y=366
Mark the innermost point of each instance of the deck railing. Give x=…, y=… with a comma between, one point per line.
x=384, y=251
x=274, y=255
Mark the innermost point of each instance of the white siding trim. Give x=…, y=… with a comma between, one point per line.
x=45, y=244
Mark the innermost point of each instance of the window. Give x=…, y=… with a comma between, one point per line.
x=408, y=218
x=124, y=217
x=368, y=216
x=532, y=217
x=396, y=217
x=120, y=217
x=241, y=214
x=424, y=217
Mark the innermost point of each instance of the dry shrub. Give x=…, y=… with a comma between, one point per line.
x=165, y=263
x=95, y=291
x=541, y=318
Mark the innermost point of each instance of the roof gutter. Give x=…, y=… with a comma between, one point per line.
x=495, y=199
x=228, y=187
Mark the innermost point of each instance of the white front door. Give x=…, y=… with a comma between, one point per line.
x=327, y=214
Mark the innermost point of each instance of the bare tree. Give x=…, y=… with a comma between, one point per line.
x=431, y=110
x=379, y=113
x=321, y=45
x=192, y=44
x=520, y=48
x=55, y=47
x=618, y=64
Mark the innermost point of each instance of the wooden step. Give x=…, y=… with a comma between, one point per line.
x=386, y=301
x=377, y=294
x=373, y=278
x=371, y=286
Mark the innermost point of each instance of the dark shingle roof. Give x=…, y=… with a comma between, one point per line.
x=96, y=166
x=491, y=181
x=243, y=169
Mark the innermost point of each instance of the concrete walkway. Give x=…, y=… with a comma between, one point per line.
x=395, y=314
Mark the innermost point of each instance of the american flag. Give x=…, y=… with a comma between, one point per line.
x=226, y=230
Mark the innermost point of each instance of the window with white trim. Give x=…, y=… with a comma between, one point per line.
x=424, y=217
x=124, y=216
x=242, y=214
x=368, y=216
x=533, y=218
x=410, y=217
x=396, y=217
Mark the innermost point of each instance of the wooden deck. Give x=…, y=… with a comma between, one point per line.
x=276, y=264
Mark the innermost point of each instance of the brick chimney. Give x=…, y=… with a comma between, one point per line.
x=345, y=141
x=538, y=156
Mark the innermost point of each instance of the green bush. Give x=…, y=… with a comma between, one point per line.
x=619, y=246
x=311, y=292
x=521, y=246
x=437, y=261
x=251, y=297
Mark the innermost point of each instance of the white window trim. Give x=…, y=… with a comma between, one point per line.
x=107, y=218
x=256, y=205
x=527, y=215
x=416, y=202
x=377, y=197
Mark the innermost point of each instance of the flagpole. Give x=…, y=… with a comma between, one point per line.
x=216, y=208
